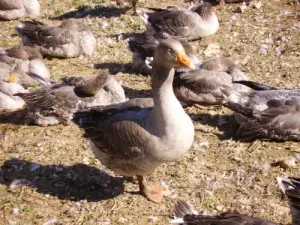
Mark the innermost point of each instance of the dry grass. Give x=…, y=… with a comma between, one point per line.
x=63, y=182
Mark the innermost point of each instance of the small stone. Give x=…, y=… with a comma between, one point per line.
x=122, y=220
x=213, y=49
x=153, y=219
x=219, y=208
x=241, y=8
x=257, y=5
x=15, y=211
x=50, y=222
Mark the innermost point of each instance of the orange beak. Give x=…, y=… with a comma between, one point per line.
x=12, y=78
x=184, y=60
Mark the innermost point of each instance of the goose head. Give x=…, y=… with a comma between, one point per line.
x=170, y=53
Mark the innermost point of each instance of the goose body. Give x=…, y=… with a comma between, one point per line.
x=204, y=85
x=71, y=38
x=19, y=60
x=133, y=140
x=9, y=102
x=192, y=24
x=15, y=9
x=56, y=103
x=269, y=114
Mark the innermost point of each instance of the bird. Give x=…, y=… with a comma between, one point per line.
x=291, y=188
x=19, y=60
x=120, y=3
x=204, y=86
x=186, y=215
x=9, y=102
x=189, y=24
x=266, y=112
x=72, y=38
x=15, y=9
x=143, y=50
x=55, y=103
x=134, y=139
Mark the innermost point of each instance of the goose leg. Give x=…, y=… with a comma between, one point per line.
x=154, y=193
x=134, y=8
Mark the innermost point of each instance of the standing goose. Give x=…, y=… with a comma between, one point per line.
x=15, y=9
x=205, y=85
x=185, y=214
x=55, y=103
x=143, y=50
x=71, y=38
x=192, y=24
x=267, y=112
x=19, y=60
x=134, y=141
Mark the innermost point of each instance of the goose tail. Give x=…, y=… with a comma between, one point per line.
x=43, y=80
x=181, y=209
x=255, y=85
x=143, y=16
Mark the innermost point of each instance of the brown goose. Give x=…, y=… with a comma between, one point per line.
x=192, y=24
x=19, y=60
x=205, y=85
x=185, y=214
x=134, y=141
x=143, y=50
x=71, y=38
x=56, y=103
x=15, y=9
x=266, y=112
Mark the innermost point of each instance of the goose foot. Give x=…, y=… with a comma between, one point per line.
x=154, y=193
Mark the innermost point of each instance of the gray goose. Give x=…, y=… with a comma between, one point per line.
x=15, y=9
x=185, y=214
x=266, y=112
x=55, y=103
x=18, y=60
x=134, y=141
x=191, y=24
x=72, y=38
x=204, y=86
x=143, y=49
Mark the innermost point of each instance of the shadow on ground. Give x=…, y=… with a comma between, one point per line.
x=74, y=183
x=98, y=11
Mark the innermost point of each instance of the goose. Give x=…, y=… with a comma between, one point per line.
x=185, y=214
x=191, y=24
x=55, y=103
x=143, y=49
x=266, y=112
x=132, y=2
x=204, y=86
x=15, y=9
x=19, y=60
x=9, y=102
x=72, y=38
x=134, y=141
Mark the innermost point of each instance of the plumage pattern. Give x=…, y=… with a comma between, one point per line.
x=56, y=103
x=268, y=114
x=15, y=9
x=205, y=85
x=71, y=38
x=200, y=21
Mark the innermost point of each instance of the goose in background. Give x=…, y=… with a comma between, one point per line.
x=15, y=9
x=72, y=38
x=266, y=112
x=135, y=140
x=56, y=103
x=19, y=60
x=190, y=24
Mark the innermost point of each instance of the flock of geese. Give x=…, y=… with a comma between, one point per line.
x=132, y=137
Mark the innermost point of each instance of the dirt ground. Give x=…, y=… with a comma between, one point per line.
x=63, y=183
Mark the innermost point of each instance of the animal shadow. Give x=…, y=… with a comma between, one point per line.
x=98, y=11
x=74, y=183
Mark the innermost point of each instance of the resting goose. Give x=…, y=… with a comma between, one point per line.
x=204, y=86
x=143, y=50
x=192, y=24
x=267, y=112
x=185, y=214
x=15, y=9
x=55, y=103
x=134, y=141
x=9, y=102
x=19, y=60
x=71, y=38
